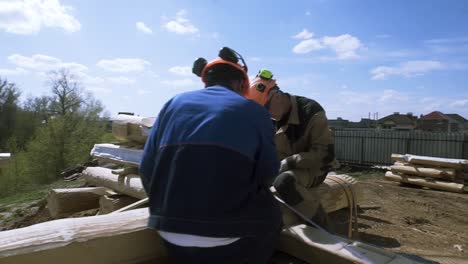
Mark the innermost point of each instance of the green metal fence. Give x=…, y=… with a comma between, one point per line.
x=374, y=147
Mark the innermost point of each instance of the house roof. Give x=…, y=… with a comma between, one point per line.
x=457, y=117
x=436, y=115
x=399, y=119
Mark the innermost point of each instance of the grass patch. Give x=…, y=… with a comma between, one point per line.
x=34, y=193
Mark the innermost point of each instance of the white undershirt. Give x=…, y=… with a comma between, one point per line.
x=186, y=240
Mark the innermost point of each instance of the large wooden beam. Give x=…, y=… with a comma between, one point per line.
x=129, y=184
x=117, y=154
x=434, y=184
x=438, y=173
x=431, y=161
x=132, y=128
x=116, y=238
x=64, y=202
x=124, y=238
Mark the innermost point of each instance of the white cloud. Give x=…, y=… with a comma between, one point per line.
x=392, y=95
x=407, y=69
x=29, y=16
x=426, y=100
x=11, y=72
x=181, y=25
x=304, y=34
x=383, y=36
x=44, y=63
x=140, y=26
x=307, y=46
x=143, y=92
x=179, y=83
x=123, y=65
x=345, y=45
x=99, y=89
x=307, y=13
x=121, y=80
x=460, y=103
x=181, y=70
x=448, y=45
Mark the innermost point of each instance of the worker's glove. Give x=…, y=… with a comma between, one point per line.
x=286, y=164
x=285, y=185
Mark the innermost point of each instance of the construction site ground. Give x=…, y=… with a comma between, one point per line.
x=424, y=224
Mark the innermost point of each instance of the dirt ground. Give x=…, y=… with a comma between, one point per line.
x=427, y=223
x=424, y=224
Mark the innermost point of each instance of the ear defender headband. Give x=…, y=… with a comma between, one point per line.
x=226, y=56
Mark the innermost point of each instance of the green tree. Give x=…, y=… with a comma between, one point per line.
x=72, y=125
x=9, y=95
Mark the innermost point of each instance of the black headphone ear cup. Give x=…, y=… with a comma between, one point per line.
x=260, y=87
x=228, y=54
x=198, y=66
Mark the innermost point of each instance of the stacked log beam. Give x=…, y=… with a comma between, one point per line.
x=64, y=202
x=432, y=172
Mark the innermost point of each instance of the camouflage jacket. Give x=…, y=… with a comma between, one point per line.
x=304, y=143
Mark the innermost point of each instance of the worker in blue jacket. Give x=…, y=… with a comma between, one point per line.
x=207, y=167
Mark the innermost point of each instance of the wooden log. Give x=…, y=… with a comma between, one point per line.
x=117, y=154
x=64, y=202
x=124, y=238
x=111, y=203
x=4, y=159
x=438, y=173
x=434, y=184
x=334, y=194
x=132, y=128
x=462, y=175
x=431, y=161
x=117, y=238
x=129, y=184
x=126, y=171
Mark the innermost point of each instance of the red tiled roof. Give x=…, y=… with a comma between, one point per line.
x=435, y=115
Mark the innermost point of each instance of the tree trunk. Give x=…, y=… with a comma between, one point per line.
x=64, y=202
x=439, y=173
x=110, y=203
x=434, y=184
x=129, y=184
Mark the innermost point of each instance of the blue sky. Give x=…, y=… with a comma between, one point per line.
x=354, y=57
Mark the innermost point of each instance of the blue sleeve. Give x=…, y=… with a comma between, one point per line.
x=146, y=167
x=267, y=163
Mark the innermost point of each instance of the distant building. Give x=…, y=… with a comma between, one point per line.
x=439, y=122
x=341, y=123
x=462, y=122
x=398, y=121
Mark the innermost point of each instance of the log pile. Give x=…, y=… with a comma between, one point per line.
x=435, y=173
x=117, y=183
x=115, y=188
